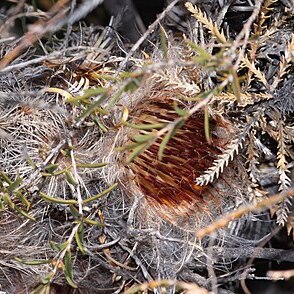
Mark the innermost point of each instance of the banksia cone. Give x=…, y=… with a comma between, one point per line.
x=27, y=127
x=168, y=184
x=31, y=131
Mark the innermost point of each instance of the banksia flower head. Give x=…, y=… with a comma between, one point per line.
x=36, y=134
x=27, y=126
x=162, y=167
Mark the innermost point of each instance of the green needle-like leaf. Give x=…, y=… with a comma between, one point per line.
x=106, y=191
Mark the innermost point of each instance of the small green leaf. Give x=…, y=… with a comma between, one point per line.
x=58, y=200
x=33, y=262
x=57, y=173
x=70, y=282
x=236, y=85
x=15, y=184
x=129, y=147
x=79, y=236
x=204, y=95
x=93, y=107
x=47, y=279
x=23, y=213
x=63, y=245
x=204, y=56
x=138, y=150
x=74, y=211
x=68, y=269
x=91, y=165
x=206, y=125
x=42, y=289
x=68, y=264
x=6, y=198
x=1, y=204
x=115, y=97
x=6, y=178
x=51, y=168
x=132, y=85
x=92, y=222
x=54, y=246
x=180, y=111
x=87, y=94
x=168, y=136
x=23, y=199
x=30, y=162
x=106, y=191
x=100, y=125
x=58, y=247
x=146, y=126
x=144, y=138
x=131, y=74
x=81, y=228
x=106, y=77
x=70, y=178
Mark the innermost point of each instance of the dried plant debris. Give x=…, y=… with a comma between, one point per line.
x=148, y=170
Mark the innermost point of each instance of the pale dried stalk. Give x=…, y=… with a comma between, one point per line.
x=224, y=221
x=187, y=287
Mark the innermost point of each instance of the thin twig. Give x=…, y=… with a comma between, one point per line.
x=151, y=28
x=224, y=221
x=188, y=287
x=85, y=50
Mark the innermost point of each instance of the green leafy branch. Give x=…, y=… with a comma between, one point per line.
x=12, y=197
x=63, y=258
